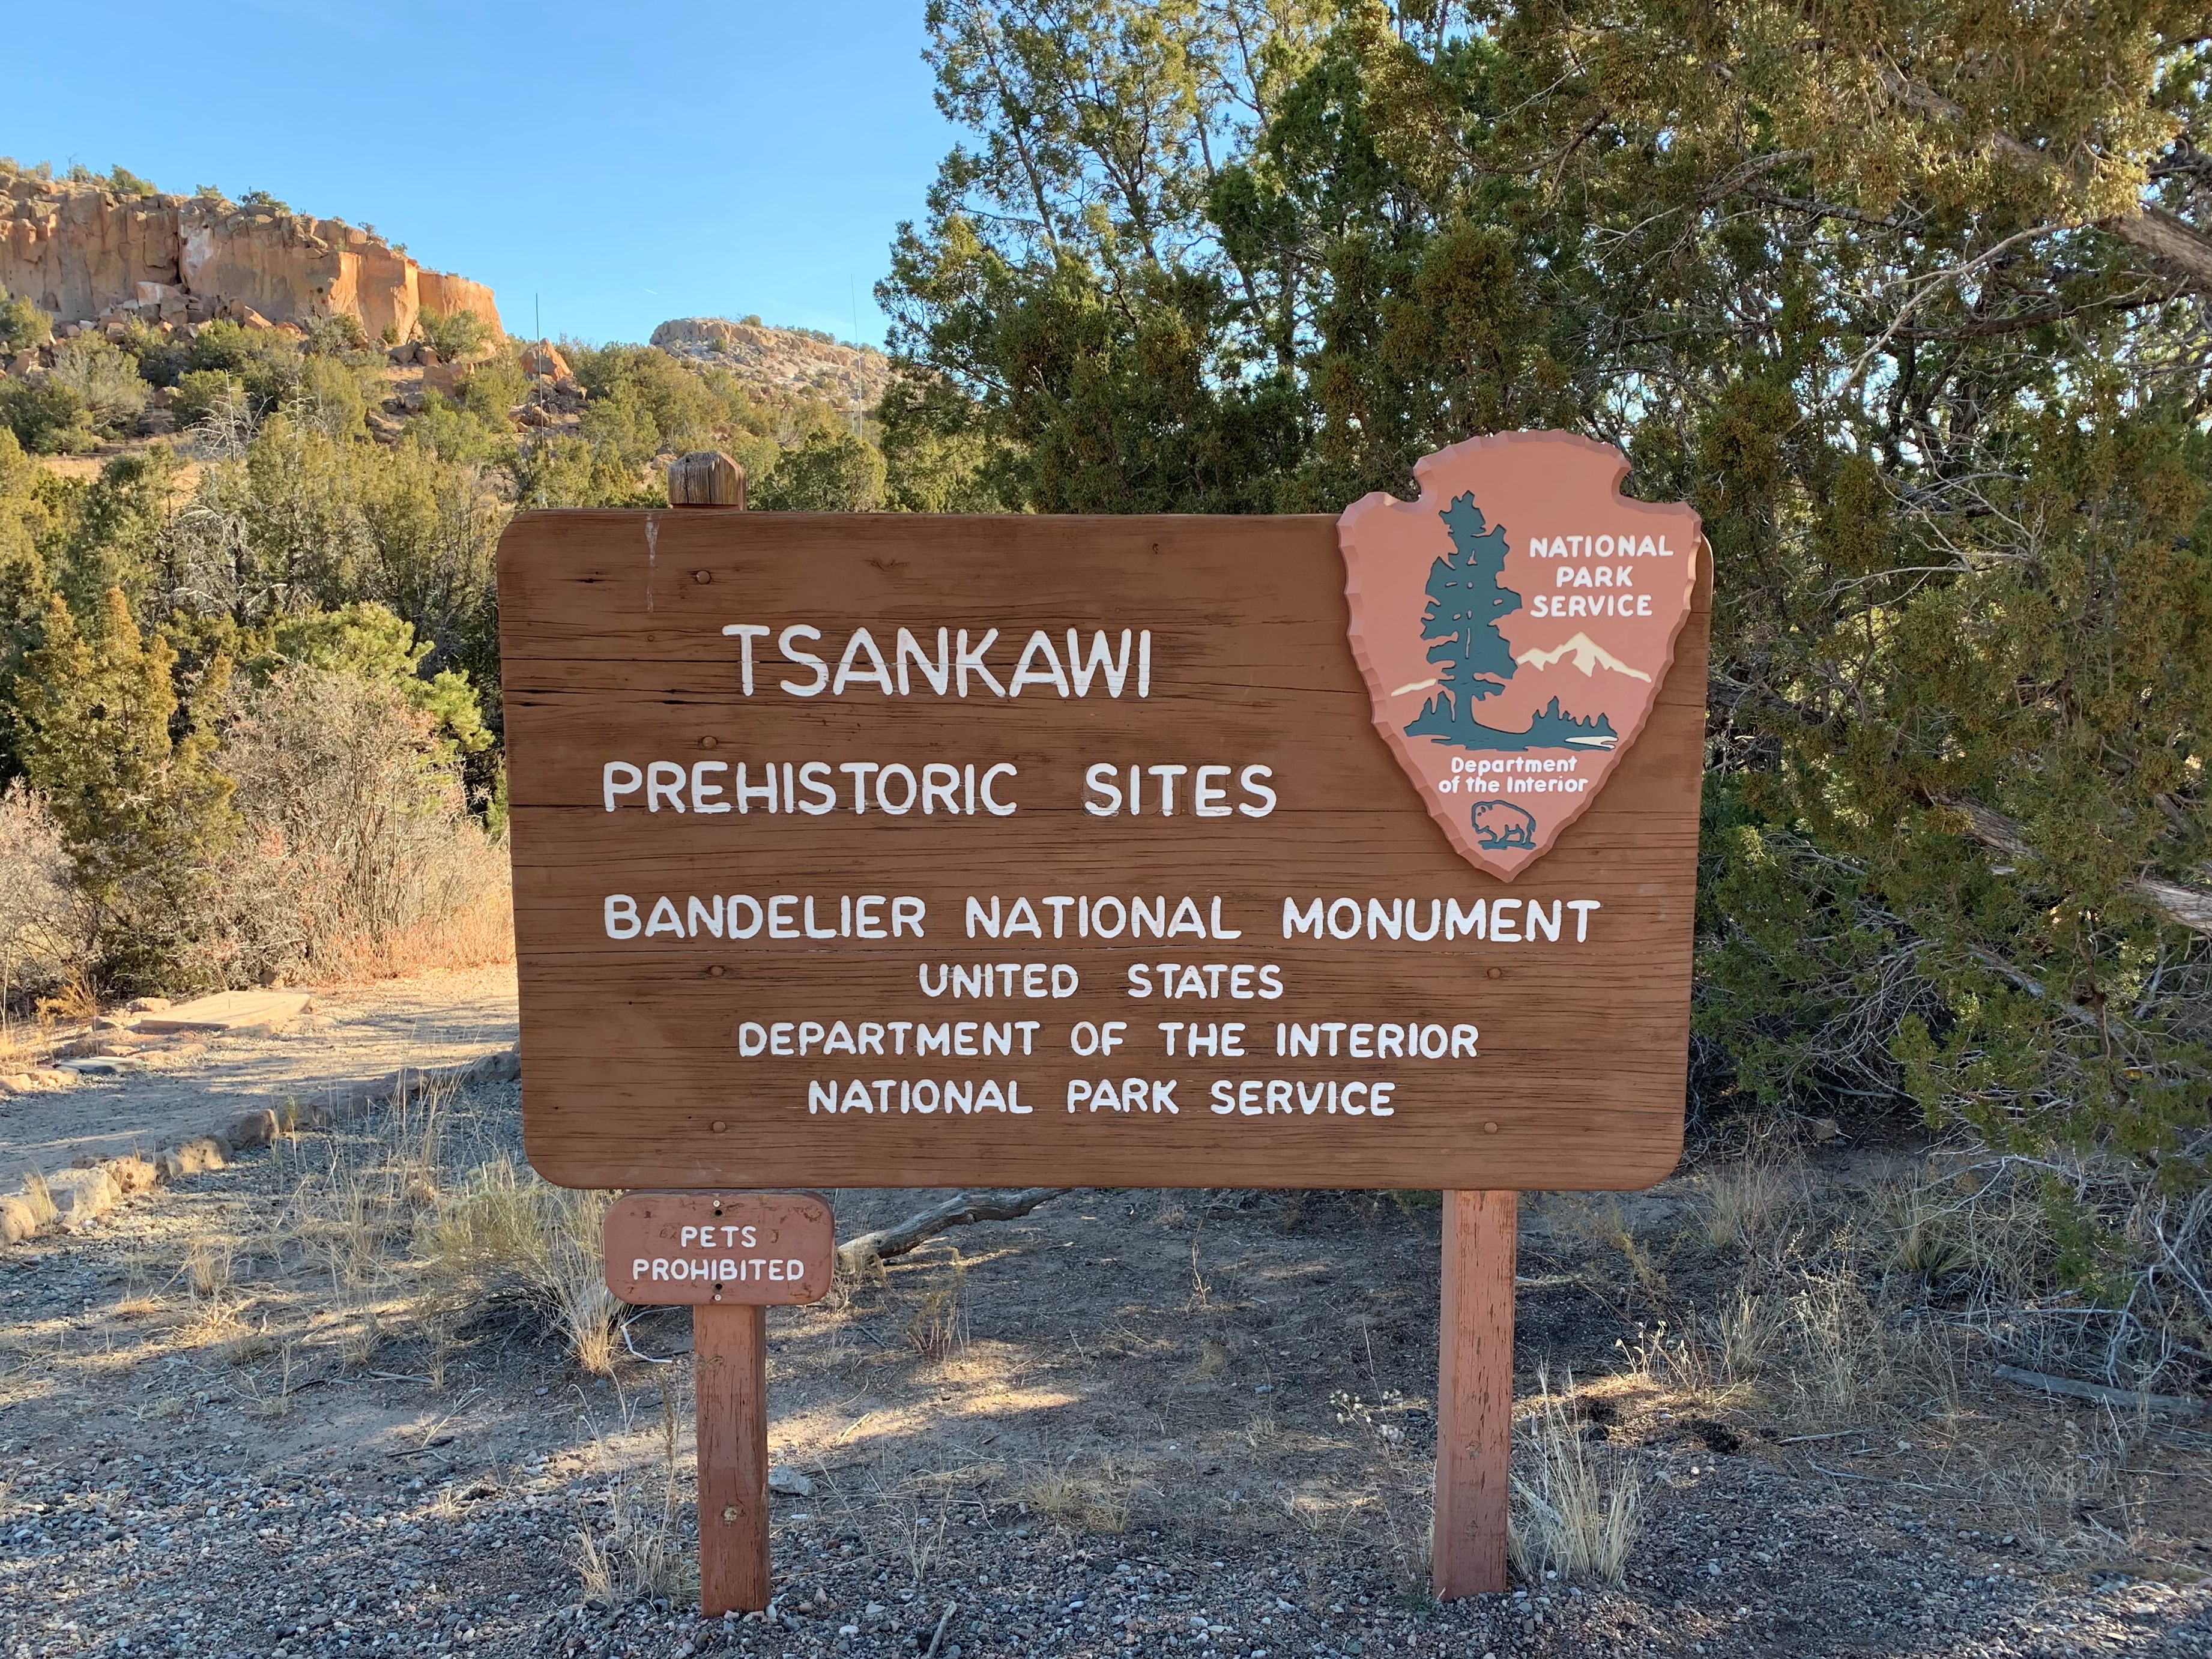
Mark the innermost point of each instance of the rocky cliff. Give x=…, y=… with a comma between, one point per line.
x=785, y=359
x=82, y=253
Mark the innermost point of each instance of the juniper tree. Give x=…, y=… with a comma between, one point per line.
x=142, y=808
x=1909, y=300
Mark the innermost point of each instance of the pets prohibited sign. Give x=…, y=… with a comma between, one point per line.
x=895, y=851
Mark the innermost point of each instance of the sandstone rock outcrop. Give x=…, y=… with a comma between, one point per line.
x=82, y=251
x=796, y=359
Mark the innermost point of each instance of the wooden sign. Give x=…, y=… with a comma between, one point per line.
x=692, y=1250
x=906, y=851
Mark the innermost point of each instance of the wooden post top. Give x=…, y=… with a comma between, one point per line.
x=706, y=477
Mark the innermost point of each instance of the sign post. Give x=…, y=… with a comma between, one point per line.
x=1474, y=1396
x=889, y=850
x=729, y=1257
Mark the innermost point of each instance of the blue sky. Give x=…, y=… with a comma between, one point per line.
x=622, y=164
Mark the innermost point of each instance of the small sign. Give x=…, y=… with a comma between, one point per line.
x=687, y=1249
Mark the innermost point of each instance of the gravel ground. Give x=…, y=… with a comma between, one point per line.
x=1143, y=1440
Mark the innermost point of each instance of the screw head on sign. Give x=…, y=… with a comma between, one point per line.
x=708, y=743
x=1490, y=1128
x=719, y=1126
x=703, y=577
x=716, y=971
x=1498, y=973
x=730, y=1515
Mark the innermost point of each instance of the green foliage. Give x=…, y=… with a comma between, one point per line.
x=124, y=182
x=1886, y=293
x=550, y=470
x=264, y=363
x=830, y=472
x=142, y=810
x=256, y=201
x=493, y=388
x=201, y=394
x=162, y=358
x=329, y=393
x=454, y=337
x=368, y=642
x=104, y=380
x=107, y=535
x=45, y=416
x=22, y=325
x=339, y=334
x=27, y=521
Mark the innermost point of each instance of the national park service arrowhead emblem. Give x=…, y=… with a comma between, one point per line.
x=1514, y=625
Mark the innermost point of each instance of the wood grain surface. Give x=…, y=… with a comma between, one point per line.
x=729, y=1347
x=691, y=1248
x=1474, y=1396
x=634, y=1049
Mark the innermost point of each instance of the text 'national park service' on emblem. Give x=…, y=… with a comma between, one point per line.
x=1514, y=625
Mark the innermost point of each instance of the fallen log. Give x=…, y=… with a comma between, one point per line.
x=962, y=1208
x=2168, y=1405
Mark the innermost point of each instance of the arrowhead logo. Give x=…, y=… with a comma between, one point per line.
x=1514, y=625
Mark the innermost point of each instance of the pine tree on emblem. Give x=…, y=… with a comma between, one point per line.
x=1467, y=595
x=1465, y=600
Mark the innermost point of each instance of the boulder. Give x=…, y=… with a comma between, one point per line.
x=81, y=1195
x=250, y=1129
x=202, y=1152
x=542, y=359
x=18, y=1220
x=133, y=1173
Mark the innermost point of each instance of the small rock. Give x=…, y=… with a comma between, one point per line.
x=789, y=1482
x=102, y=1066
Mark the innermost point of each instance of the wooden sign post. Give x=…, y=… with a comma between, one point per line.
x=729, y=1257
x=889, y=850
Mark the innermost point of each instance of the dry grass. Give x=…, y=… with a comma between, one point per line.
x=208, y=1262
x=1749, y=1203
x=1578, y=1510
x=40, y=1199
x=643, y=1551
x=477, y=932
x=938, y=1328
x=1095, y=1503
x=505, y=1225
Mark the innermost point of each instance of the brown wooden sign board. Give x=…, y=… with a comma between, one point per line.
x=695, y=1249
x=908, y=851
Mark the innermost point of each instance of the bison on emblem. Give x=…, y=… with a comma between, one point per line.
x=1500, y=825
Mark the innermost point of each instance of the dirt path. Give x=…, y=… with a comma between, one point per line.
x=351, y=1032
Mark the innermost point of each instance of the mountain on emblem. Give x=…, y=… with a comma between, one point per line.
x=1514, y=625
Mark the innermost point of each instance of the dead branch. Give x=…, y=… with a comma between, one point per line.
x=2170, y=1405
x=2172, y=241
x=2183, y=905
x=957, y=1211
